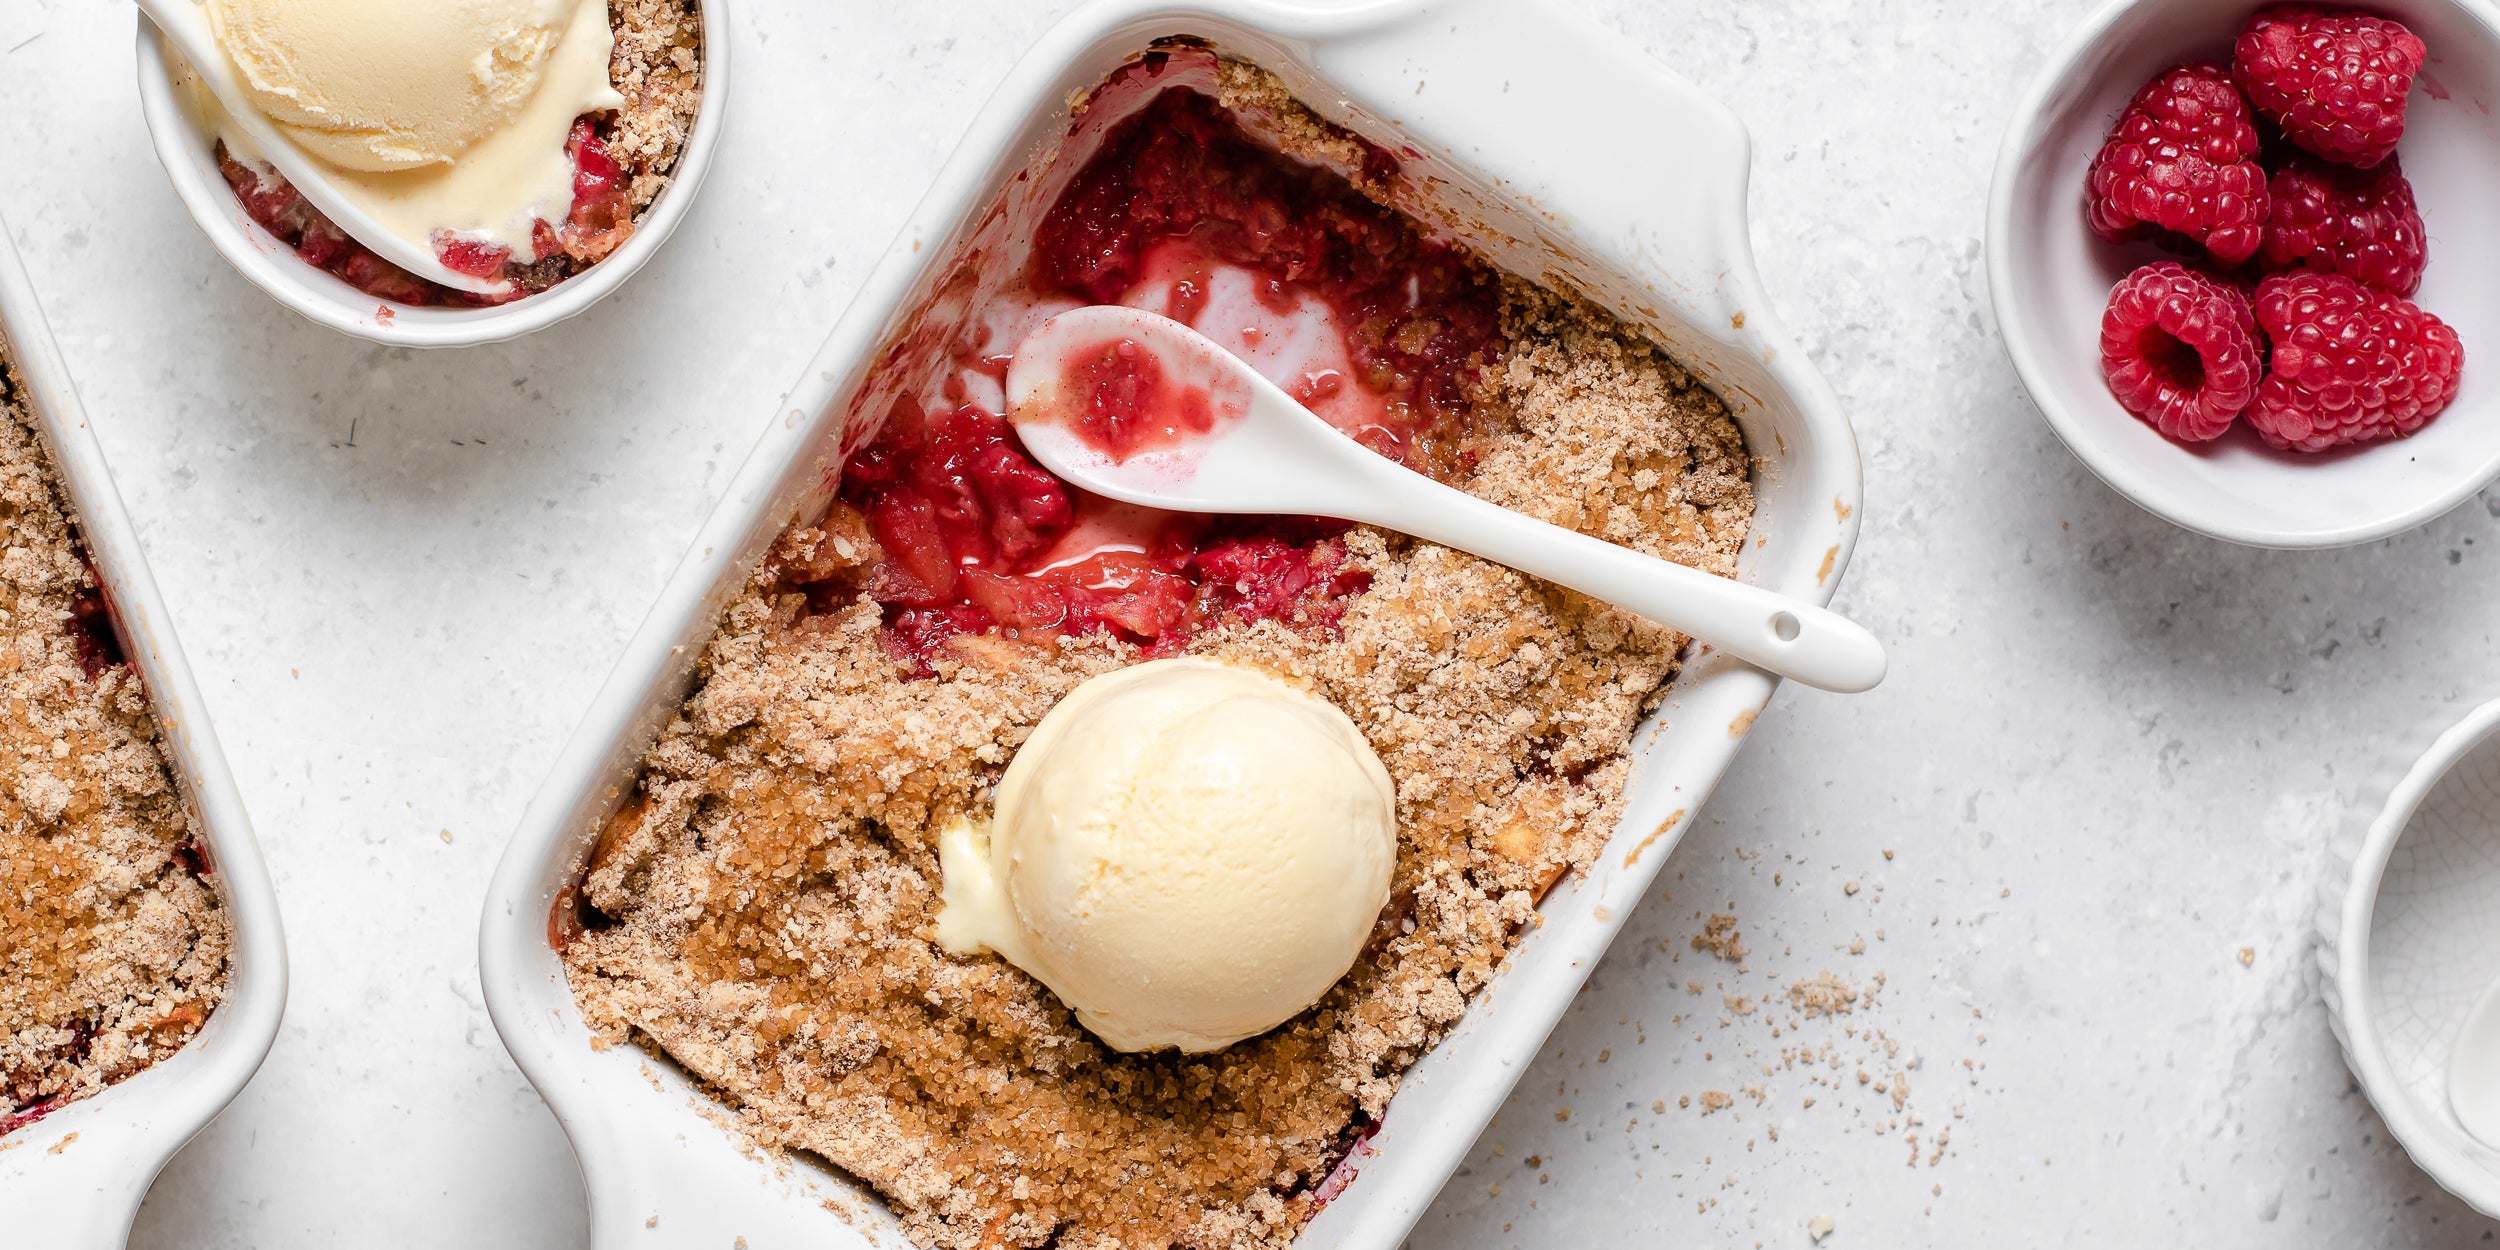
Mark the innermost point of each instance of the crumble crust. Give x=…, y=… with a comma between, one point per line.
x=112, y=949
x=658, y=68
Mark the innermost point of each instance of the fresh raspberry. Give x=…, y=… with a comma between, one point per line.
x=2360, y=223
x=2180, y=160
x=2180, y=350
x=2335, y=82
x=2351, y=363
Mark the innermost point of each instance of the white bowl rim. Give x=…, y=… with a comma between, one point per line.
x=2014, y=330
x=93, y=1160
x=212, y=206
x=2364, y=1051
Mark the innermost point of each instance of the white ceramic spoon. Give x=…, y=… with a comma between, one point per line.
x=1260, y=452
x=2474, y=1071
x=186, y=27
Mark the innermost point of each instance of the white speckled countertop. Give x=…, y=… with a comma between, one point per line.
x=2085, y=816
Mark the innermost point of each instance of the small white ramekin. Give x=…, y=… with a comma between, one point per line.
x=73, y=1180
x=2049, y=278
x=1510, y=123
x=189, y=154
x=2409, y=938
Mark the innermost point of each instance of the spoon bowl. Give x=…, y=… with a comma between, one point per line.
x=185, y=26
x=1142, y=409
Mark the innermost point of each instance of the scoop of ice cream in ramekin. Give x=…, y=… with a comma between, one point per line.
x=1187, y=853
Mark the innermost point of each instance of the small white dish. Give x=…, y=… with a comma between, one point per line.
x=73, y=1180
x=1487, y=104
x=2049, y=278
x=2410, y=940
x=189, y=154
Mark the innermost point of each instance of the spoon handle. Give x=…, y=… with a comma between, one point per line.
x=1786, y=636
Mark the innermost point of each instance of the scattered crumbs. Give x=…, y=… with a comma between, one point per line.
x=2248, y=956
x=63, y=1144
x=1819, y=1227
x=1714, y=1100
x=1849, y=887
x=1719, y=936
x=1823, y=994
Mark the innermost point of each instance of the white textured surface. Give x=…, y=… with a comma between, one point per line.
x=2107, y=761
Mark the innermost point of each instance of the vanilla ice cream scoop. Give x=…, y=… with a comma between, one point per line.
x=390, y=84
x=440, y=120
x=1188, y=853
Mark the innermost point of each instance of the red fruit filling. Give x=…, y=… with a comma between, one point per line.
x=600, y=220
x=91, y=613
x=1376, y=327
x=98, y=649
x=2180, y=350
x=1120, y=397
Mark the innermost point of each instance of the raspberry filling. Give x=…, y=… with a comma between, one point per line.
x=1126, y=402
x=91, y=626
x=599, y=221
x=1343, y=303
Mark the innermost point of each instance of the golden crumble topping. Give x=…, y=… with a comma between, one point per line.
x=112, y=949
x=658, y=68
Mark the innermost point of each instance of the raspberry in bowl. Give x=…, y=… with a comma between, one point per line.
x=543, y=185
x=2180, y=162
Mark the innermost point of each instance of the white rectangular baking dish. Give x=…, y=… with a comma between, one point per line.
x=1559, y=154
x=73, y=1180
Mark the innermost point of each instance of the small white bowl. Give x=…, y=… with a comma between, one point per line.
x=189, y=154
x=2049, y=278
x=73, y=1180
x=2410, y=938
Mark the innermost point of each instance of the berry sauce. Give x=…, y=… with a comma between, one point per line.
x=1345, y=304
x=600, y=220
x=1121, y=399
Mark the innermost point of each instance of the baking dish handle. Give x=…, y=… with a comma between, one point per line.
x=65, y=1193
